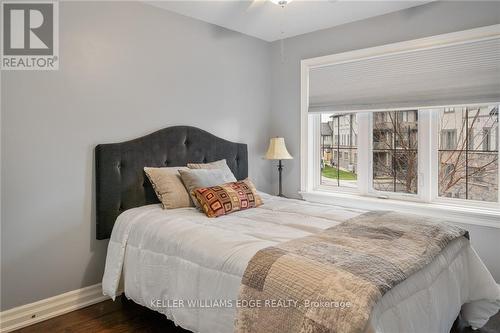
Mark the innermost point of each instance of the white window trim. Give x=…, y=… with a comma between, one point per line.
x=455, y=212
x=426, y=201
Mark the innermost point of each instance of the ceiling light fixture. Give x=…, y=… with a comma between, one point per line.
x=281, y=3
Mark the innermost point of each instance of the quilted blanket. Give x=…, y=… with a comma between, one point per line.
x=330, y=281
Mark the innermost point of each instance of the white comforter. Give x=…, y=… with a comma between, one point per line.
x=165, y=257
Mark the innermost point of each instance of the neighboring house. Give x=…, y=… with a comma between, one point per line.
x=468, y=153
x=326, y=143
x=468, y=150
x=395, y=144
x=345, y=140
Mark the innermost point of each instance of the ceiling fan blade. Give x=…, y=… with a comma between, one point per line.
x=254, y=4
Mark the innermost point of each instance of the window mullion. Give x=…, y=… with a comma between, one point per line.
x=426, y=159
x=364, y=152
x=498, y=159
x=314, y=150
x=434, y=154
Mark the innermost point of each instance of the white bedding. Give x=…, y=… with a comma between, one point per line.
x=165, y=255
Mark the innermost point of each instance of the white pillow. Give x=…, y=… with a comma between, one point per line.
x=221, y=164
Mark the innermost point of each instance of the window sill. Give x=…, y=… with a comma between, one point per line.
x=459, y=214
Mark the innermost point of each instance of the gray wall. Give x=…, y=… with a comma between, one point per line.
x=422, y=21
x=126, y=69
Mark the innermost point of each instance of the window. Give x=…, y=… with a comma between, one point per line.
x=470, y=138
x=339, y=168
x=466, y=150
x=414, y=121
x=448, y=138
x=468, y=170
x=486, y=138
x=395, y=151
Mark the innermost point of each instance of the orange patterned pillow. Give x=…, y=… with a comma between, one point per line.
x=227, y=198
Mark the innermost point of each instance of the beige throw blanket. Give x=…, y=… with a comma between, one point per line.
x=330, y=281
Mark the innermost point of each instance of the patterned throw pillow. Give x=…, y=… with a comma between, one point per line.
x=198, y=178
x=227, y=198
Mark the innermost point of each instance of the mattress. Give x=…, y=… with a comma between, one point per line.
x=189, y=267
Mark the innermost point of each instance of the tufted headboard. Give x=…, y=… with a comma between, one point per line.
x=120, y=180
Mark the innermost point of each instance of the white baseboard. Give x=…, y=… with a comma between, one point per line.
x=32, y=313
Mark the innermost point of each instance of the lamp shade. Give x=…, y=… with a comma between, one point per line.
x=277, y=150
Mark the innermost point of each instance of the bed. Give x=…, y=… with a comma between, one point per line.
x=189, y=267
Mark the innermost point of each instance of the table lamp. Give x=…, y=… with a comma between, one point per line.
x=277, y=151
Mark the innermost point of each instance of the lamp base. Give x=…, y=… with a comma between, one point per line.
x=280, y=169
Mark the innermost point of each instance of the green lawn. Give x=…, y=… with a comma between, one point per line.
x=331, y=172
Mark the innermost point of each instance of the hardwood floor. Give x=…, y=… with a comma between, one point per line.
x=126, y=316
x=108, y=316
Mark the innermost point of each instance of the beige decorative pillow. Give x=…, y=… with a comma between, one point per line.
x=196, y=178
x=220, y=164
x=168, y=186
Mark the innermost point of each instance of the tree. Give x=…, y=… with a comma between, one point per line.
x=395, y=144
x=468, y=164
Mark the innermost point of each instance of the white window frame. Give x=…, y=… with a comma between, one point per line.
x=426, y=201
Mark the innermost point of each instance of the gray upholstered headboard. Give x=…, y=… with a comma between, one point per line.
x=120, y=180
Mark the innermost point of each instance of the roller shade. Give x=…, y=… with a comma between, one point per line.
x=463, y=73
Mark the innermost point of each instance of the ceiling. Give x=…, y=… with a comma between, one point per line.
x=270, y=22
